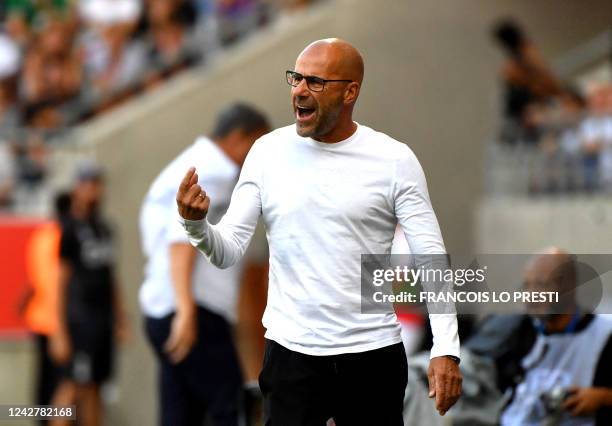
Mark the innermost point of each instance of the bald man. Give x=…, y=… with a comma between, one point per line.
x=568, y=376
x=328, y=190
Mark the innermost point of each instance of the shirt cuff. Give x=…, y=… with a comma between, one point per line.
x=445, y=335
x=196, y=229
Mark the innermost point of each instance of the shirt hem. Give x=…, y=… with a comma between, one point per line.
x=308, y=350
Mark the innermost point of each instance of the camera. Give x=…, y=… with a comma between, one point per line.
x=553, y=399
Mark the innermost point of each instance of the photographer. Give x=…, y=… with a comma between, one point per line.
x=568, y=377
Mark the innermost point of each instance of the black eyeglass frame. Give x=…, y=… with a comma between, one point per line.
x=289, y=75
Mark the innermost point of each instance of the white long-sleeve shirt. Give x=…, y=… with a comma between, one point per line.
x=323, y=205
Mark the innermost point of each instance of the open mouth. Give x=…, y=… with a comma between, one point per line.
x=304, y=113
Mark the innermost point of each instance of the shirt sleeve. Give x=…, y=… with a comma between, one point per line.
x=418, y=221
x=225, y=243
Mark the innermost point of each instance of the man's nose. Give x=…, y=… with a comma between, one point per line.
x=301, y=89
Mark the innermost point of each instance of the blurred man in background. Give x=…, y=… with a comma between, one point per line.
x=10, y=60
x=42, y=263
x=527, y=79
x=189, y=305
x=91, y=315
x=595, y=134
x=568, y=377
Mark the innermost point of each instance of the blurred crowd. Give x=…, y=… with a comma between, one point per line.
x=65, y=61
x=569, y=130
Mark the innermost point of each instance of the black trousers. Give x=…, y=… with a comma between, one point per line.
x=365, y=388
x=48, y=375
x=207, y=384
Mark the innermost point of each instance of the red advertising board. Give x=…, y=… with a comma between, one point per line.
x=14, y=236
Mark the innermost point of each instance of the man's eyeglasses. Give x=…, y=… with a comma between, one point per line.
x=316, y=84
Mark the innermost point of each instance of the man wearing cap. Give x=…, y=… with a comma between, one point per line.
x=90, y=313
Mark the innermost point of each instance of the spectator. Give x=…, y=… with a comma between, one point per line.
x=7, y=175
x=558, y=160
x=89, y=303
x=527, y=79
x=10, y=59
x=206, y=29
x=189, y=305
x=19, y=15
x=31, y=159
x=572, y=112
x=114, y=61
x=596, y=139
x=52, y=71
x=171, y=47
x=236, y=19
x=75, y=68
x=9, y=118
x=30, y=155
x=570, y=136
x=23, y=15
x=568, y=378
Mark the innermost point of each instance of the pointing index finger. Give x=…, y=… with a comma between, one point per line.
x=186, y=182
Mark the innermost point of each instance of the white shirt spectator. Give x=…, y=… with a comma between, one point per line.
x=213, y=288
x=110, y=12
x=10, y=57
x=111, y=22
x=7, y=173
x=599, y=130
x=323, y=205
x=126, y=73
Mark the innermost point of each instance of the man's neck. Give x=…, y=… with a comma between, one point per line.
x=340, y=133
x=560, y=322
x=227, y=149
x=81, y=211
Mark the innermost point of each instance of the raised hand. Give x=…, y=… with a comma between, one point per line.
x=191, y=199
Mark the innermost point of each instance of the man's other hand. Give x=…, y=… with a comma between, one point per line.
x=191, y=199
x=183, y=335
x=60, y=347
x=444, y=382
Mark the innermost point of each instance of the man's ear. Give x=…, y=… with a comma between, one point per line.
x=351, y=93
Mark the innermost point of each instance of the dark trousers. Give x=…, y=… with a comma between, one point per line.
x=48, y=374
x=208, y=382
x=364, y=388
